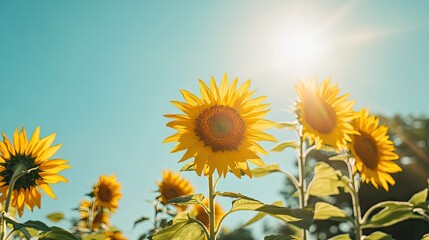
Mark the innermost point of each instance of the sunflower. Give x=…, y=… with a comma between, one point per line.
x=201, y=215
x=34, y=157
x=373, y=151
x=101, y=216
x=325, y=117
x=172, y=186
x=221, y=128
x=117, y=235
x=107, y=192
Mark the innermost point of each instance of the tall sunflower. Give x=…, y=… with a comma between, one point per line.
x=107, y=192
x=201, y=215
x=33, y=156
x=221, y=129
x=172, y=186
x=325, y=117
x=373, y=151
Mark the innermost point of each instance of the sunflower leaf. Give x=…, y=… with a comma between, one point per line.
x=425, y=237
x=233, y=195
x=190, y=199
x=260, y=215
x=283, y=145
x=419, y=199
x=190, y=166
x=281, y=237
x=55, y=216
x=262, y=171
x=140, y=220
x=340, y=157
x=378, y=236
x=57, y=233
x=344, y=236
x=182, y=227
x=298, y=217
x=325, y=211
x=392, y=213
x=326, y=181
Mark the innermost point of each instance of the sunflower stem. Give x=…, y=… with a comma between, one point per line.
x=211, y=208
x=19, y=171
x=302, y=182
x=355, y=199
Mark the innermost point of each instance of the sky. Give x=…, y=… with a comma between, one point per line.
x=101, y=75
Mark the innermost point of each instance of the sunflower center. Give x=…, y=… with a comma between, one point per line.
x=171, y=193
x=366, y=149
x=105, y=194
x=319, y=115
x=221, y=128
x=25, y=163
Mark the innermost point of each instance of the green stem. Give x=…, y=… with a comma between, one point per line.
x=206, y=232
x=355, y=201
x=18, y=172
x=302, y=182
x=212, y=209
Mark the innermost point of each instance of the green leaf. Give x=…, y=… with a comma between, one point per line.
x=392, y=213
x=425, y=237
x=378, y=236
x=262, y=171
x=283, y=145
x=344, y=236
x=190, y=166
x=190, y=199
x=281, y=237
x=260, y=215
x=29, y=224
x=298, y=217
x=140, y=220
x=182, y=228
x=326, y=181
x=55, y=216
x=95, y=236
x=419, y=199
x=325, y=211
x=57, y=233
x=287, y=125
x=233, y=195
x=340, y=157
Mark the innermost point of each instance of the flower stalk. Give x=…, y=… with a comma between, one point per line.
x=302, y=183
x=211, y=208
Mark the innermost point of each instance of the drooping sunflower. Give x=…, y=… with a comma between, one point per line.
x=373, y=151
x=32, y=156
x=203, y=217
x=325, y=117
x=172, y=186
x=221, y=129
x=107, y=192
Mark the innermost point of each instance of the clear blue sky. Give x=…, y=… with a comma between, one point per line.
x=101, y=74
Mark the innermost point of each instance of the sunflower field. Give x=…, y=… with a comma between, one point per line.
x=121, y=133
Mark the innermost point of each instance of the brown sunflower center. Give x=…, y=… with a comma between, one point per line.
x=366, y=149
x=171, y=193
x=23, y=163
x=221, y=128
x=105, y=194
x=319, y=115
